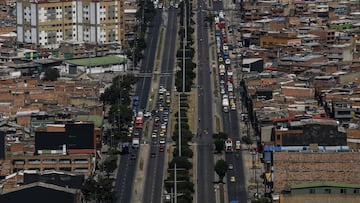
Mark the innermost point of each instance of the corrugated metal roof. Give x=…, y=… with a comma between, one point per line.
x=325, y=184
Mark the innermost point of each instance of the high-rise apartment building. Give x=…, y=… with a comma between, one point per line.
x=48, y=22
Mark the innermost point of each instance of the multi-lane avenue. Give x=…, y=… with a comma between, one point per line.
x=156, y=159
x=237, y=186
x=205, y=159
x=126, y=170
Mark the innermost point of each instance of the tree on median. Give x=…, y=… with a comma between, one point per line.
x=220, y=169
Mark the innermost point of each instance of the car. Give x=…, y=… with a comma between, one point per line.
x=237, y=145
x=161, y=97
x=133, y=156
x=156, y=119
x=154, y=134
x=161, y=108
x=167, y=101
x=227, y=61
x=233, y=106
x=221, y=59
x=230, y=167
x=136, y=133
x=163, y=126
x=161, y=89
x=162, y=134
x=232, y=179
x=153, y=155
x=222, y=90
x=165, y=112
x=231, y=95
x=147, y=114
x=162, y=141
x=222, y=82
x=225, y=96
x=165, y=119
x=161, y=148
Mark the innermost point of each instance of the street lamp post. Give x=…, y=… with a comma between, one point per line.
x=179, y=125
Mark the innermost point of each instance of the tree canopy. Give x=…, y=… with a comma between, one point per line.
x=220, y=169
x=52, y=74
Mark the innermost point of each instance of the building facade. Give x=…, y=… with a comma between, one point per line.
x=47, y=23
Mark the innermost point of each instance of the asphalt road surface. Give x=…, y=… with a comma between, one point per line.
x=237, y=189
x=205, y=158
x=126, y=170
x=155, y=168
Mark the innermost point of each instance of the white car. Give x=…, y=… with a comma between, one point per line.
x=162, y=141
x=222, y=90
x=147, y=114
x=227, y=61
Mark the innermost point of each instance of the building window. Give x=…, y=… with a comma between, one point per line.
x=343, y=191
x=328, y=191
x=312, y=191
x=356, y=191
x=277, y=137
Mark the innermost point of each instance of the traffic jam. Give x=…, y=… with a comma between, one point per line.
x=160, y=117
x=224, y=64
x=227, y=89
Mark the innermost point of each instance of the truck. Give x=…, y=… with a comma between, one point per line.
x=139, y=120
x=228, y=145
x=225, y=104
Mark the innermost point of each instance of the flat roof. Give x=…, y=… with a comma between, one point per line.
x=98, y=61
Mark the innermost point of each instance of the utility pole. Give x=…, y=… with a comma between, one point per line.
x=175, y=185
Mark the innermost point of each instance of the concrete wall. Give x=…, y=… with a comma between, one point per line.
x=320, y=198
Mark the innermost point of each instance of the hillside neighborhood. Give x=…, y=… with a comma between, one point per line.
x=294, y=77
